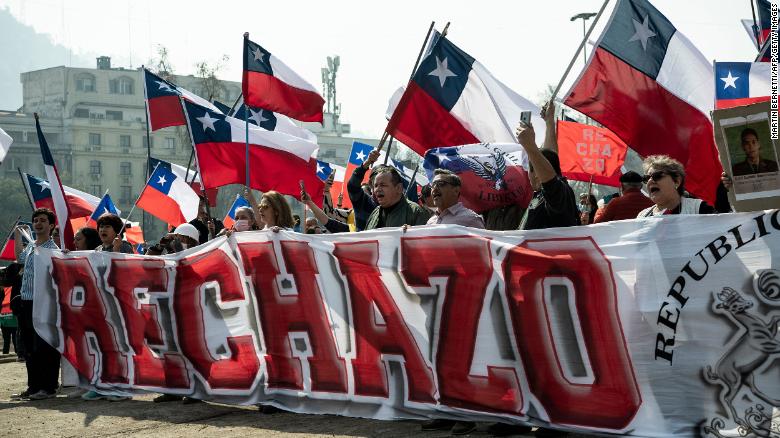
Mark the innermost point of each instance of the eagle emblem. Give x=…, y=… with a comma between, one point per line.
x=492, y=169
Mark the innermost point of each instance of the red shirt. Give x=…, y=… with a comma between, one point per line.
x=626, y=206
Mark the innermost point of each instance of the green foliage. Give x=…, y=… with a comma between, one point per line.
x=15, y=204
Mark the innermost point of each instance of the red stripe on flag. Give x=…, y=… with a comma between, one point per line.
x=421, y=123
x=161, y=206
x=649, y=118
x=271, y=169
x=266, y=91
x=165, y=111
x=730, y=103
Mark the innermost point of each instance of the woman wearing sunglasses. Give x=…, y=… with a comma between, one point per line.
x=665, y=179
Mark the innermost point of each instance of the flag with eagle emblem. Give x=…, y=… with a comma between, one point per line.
x=492, y=174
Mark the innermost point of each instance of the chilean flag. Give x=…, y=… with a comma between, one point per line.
x=39, y=191
x=357, y=156
x=162, y=102
x=741, y=83
x=324, y=170
x=492, y=174
x=169, y=198
x=278, y=161
x=187, y=175
x=230, y=217
x=8, y=252
x=453, y=100
x=271, y=121
x=61, y=207
x=106, y=205
x=647, y=83
x=268, y=83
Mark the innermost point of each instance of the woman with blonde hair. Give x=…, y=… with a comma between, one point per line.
x=273, y=210
x=665, y=179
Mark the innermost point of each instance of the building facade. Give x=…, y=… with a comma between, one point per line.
x=95, y=123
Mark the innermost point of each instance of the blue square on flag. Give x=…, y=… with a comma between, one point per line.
x=162, y=179
x=359, y=153
x=323, y=170
x=731, y=80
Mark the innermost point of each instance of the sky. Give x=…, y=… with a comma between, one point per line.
x=527, y=44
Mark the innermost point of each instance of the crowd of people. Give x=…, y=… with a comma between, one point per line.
x=380, y=203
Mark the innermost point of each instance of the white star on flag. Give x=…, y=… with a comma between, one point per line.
x=320, y=169
x=442, y=71
x=44, y=185
x=257, y=116
x=162, y=181
x=360, y=156
x=730, y=81
x=164, y=86
x=442, y=157
x=258, y=54
x=642, y=32
x=207, y=121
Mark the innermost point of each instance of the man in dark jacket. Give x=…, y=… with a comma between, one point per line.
x=394, y=210
x=362, y=202
x=554, y=203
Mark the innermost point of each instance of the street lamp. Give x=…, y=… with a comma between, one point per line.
x=585, y=16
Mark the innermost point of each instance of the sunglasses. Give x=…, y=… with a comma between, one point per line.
x=263, y=206
x=655, y=176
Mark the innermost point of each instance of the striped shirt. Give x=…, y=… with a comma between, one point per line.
x=28, y=258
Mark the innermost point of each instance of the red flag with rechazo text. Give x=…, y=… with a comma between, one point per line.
x=590, y=153
x=647, y=83
x=277, y=161
x=269, y=84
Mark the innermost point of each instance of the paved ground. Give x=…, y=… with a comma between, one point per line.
x=73, y=417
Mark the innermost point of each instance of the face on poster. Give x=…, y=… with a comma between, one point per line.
x=752, y=156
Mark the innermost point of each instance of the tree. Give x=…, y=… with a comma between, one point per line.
x=15, y=204
x=161, y=65
x=210, y=84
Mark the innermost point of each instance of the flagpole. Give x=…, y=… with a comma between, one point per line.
x=233, y=107
x=413, y=181
x=29, y=198
x=192, y=140
x=389, y=148
x=755, y=25
x=246, y=116
x=577, y=53
x=124, y=222
x=11, y=232
x=148, y=138
x=414, y=69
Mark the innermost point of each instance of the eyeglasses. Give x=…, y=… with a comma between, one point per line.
x=655, y=176
x=440, y=183
x=263, y=206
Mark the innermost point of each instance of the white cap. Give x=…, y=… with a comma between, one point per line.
x=188, y=230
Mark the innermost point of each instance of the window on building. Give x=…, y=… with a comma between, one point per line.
x=124, y=141
x=120, y=86
x=146, y=142
x=97, y=190
x=81, y=113
x=125, y=168
x=114, y=115
x=94, y=139
x=94, y=167
x=126, y=194
x=170, y=143
x=86, y=83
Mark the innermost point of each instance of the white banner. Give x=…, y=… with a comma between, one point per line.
x=662, y=327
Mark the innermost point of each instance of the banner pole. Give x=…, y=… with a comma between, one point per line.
x=577, y=53
x=755, y=25
x=233, y=107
